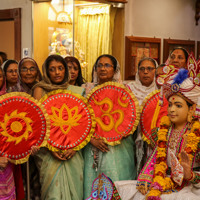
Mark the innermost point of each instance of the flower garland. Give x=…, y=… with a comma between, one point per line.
x=160, y=182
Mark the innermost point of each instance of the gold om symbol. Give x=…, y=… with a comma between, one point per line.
x=109, y=114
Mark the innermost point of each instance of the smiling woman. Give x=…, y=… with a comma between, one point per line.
x=29, y=74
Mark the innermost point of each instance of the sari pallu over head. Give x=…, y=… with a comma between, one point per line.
x=17, y=87
x=46, y=83
x=25, y=87
x=95, y=80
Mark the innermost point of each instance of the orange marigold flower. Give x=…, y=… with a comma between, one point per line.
x=165, y=121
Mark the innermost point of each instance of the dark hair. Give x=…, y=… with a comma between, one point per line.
x=3, y=55
x=149, y=59
x=184, y=51
x=57, y=58
x=112, y=58
x=80, y=80
x=8, y=63
x=189, y=104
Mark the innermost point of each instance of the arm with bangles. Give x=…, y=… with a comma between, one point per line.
x=195, y=175
x=189, y=174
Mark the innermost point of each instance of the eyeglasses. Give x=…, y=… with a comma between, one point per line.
x=106, y=65
x=25, y=70
x=11, y=71
x=148, y=69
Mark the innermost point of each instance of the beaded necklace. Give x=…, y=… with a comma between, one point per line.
x=180, y=138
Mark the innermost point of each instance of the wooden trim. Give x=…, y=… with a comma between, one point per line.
x=168, y=42
x=15, y=15
x=128, y=59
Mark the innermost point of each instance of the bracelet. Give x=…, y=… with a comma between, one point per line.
x=192, y=176
x=196, y=178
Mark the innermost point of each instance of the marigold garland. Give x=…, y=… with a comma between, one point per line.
x=160, y=181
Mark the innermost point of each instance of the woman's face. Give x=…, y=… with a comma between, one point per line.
x=178, y=110
x=146, y=72
x=56, y=72
x=11, y=74
x=177, y=58
x=28, y=72
x=105, y=70
x=73, y=70
x=1, y=78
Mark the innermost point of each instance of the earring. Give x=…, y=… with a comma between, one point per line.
x=191, y=113
x=189, y=117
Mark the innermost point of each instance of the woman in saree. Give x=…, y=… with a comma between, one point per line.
x=74, y=67
x=178, y=57
x=61, y=174
x=143, y=85
x=116, y=162
x=29, y=74
x=171, y=172
x=10, y=68
x=11, y=184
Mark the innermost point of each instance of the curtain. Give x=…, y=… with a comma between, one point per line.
x=95, y=27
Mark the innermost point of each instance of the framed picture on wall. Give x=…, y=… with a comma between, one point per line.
x=169, y=44
x=135, y=49
x=198, y=50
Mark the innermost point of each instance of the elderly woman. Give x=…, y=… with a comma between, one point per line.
x=117, y=162
x=74, y=67
x=61, y=175
x=29, y=74
x=178, y=57
x=145, y=79
x=143, y=85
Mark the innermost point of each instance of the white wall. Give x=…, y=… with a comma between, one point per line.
x=145, y=18
x=174, y=19
x=26, y=22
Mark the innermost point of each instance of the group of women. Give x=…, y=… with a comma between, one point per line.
x=69, y=175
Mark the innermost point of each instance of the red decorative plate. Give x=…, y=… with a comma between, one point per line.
x=23, y=123
x=71, y=120
x=152, y=113
x=116, y=111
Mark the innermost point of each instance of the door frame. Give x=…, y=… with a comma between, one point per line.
x=14, y=15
